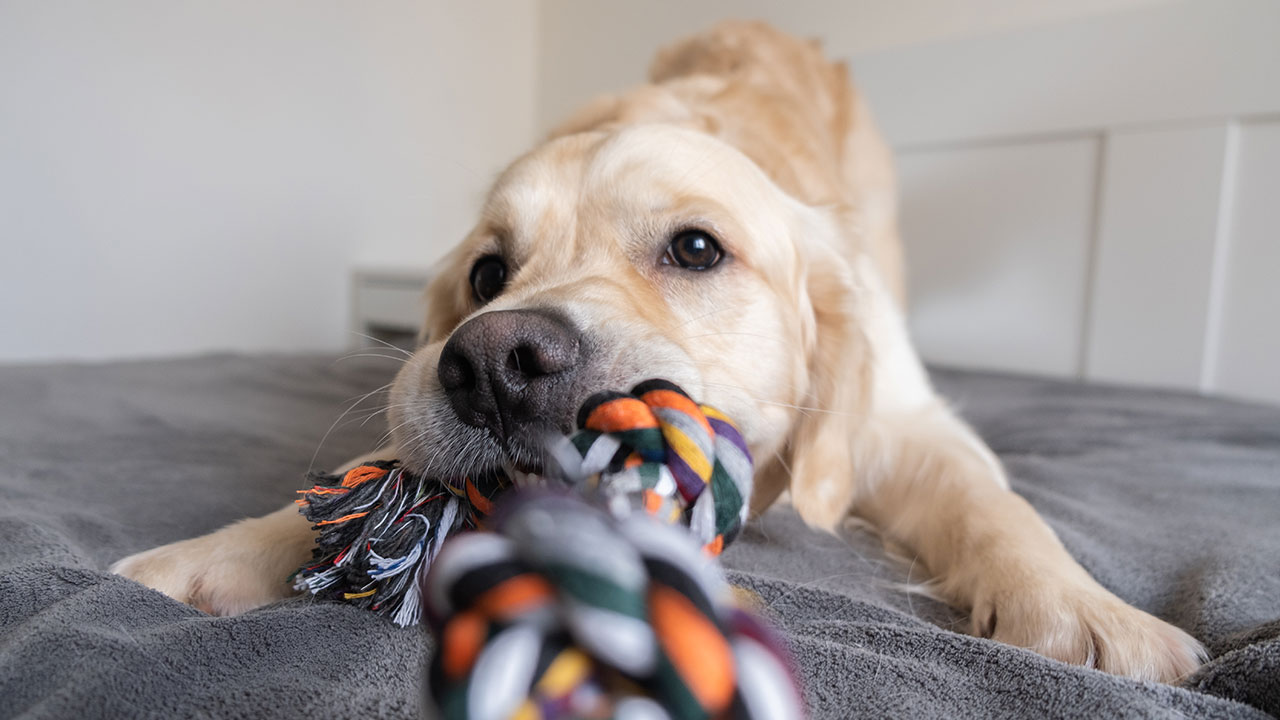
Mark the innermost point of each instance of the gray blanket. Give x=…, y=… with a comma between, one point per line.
x=1171, y=501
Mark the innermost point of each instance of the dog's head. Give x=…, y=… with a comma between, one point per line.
x=603, y=259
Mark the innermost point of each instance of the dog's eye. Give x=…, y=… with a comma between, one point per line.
x=488, y=277
x=693, y=250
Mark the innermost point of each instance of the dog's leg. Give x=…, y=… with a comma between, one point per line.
x=929, y=483
x=240, y=567
x=943, y=495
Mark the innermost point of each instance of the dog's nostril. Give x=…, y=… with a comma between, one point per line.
x=455, y=372
x=524, y=361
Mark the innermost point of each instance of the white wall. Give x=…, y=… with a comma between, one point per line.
x=1109, y=173
x=590, y=47
x=179, y=177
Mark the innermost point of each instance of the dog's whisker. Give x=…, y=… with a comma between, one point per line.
x=364, y=417
x=380, y=341
x=385, y=409
x=351, y=356
x=386, y=437
x=361, y=418
x=311, y=465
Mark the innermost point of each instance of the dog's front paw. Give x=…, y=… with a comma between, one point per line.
x=208, y=578
x=1089, y=626
x=238, y=568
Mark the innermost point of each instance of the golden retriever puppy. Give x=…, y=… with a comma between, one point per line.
x=731, y=227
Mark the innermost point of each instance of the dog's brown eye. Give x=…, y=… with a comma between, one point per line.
x=693, y=250
x=488, y=277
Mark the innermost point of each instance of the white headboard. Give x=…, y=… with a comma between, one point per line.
x=1098, y=198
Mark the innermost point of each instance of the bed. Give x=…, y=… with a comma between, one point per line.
x=1170, y=500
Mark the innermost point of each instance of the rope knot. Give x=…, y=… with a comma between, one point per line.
x=658, y=449
x=567, y=611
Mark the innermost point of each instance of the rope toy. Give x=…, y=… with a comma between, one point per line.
x=582, y=603
x=659, y=449
x=380, y=527
x=564, y=611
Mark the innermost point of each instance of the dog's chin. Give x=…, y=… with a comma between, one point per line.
x=444, y=447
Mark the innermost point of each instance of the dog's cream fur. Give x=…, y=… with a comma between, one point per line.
x=753, y=136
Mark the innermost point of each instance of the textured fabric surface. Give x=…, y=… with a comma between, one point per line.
x=1171, y=501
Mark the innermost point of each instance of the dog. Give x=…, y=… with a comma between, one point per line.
x=732, y=227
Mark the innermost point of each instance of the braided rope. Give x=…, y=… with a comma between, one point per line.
x=379, y=527
x=657, y=449
x=587, y=604
x=566, y=611
x=379, y=562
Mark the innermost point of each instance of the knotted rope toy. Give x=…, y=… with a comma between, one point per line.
x=656, y=447
x=587, y=605
x=378, y=529
x=567, y=611
x=380, y=526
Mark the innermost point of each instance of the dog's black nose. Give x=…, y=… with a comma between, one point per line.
x=510, y=369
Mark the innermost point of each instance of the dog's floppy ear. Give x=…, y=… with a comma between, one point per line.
x=819, y=455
